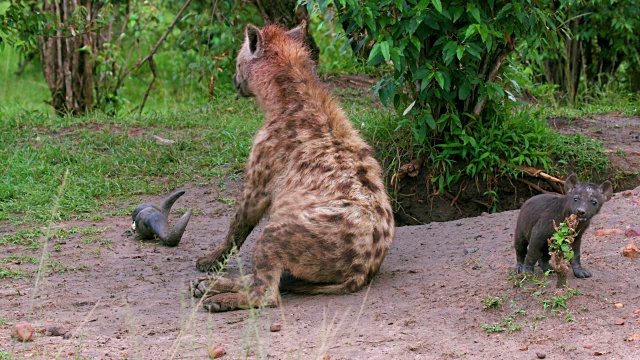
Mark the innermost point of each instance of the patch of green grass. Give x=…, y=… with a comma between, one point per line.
x=20, y=258
x=26, y=93
x=11, y=274
x=579, y=154
x=112, y=159
x=559, y=301
x=27, y=237
x=508, y=324
x=493, y=302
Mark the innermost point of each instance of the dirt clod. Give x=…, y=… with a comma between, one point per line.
x=587, y=346
x=541, y=355
x=275, y=327
x=605, y=232
x=634, y=231
x=631, y=251
x=23, y=331
x=216, y=352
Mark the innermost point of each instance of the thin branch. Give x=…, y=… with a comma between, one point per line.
x=539, y=173
x=492, y=76
x=152, y=66
x=164, y=36
x=538, y=188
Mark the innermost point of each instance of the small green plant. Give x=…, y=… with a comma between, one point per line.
x=568, y=317
x=560, y=248
x=493, y=302
x=508, y=324
x=559, y=301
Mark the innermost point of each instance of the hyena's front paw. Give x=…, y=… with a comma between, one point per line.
x=199, y=287
x=519, y=268
x=211, y=262
x=546, y=267
x=581, y=273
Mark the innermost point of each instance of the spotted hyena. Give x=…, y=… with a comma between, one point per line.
x=330, y=221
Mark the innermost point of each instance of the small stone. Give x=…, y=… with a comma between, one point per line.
x=618, y=305
x=587, y=346
x=627, y=193
x=216, y=352
x=23, y=331
x=55, y=331
x=637, y=311
x=634, y=231
x=541, y=355
x=620, y=322
x=470, y=250
x=275, y=327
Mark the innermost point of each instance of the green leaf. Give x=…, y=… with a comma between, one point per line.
x=460, y=51
x=375, y=51
x=438, y=5
x=430, y=121
x=384, y=48
x=422, y=5
x=473, y=10
x=464, y=90
x=440, y=79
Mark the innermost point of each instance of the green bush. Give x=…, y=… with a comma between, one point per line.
x=447, y=64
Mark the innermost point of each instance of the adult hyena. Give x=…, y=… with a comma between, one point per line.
x=330, y=220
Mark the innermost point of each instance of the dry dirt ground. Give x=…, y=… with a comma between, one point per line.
x=120, y=298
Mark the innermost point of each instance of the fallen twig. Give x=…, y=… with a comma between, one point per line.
x=538, y=188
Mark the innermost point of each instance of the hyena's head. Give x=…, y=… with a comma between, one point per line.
x=260, y=44
x=585, y=199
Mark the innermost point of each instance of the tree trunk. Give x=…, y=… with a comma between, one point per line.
x=284, y=12
x=565, y=70
x=68, y=70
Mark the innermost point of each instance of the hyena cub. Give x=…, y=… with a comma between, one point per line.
x=535, y=223
x=330, y=218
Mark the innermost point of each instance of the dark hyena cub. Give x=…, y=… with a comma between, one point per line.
x=535, y=223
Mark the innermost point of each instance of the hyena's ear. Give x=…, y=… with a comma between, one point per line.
x=254, y=39
x=570, y=183
x=607, y=190
x=298, y=32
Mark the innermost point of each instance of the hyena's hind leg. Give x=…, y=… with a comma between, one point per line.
x=263, y=291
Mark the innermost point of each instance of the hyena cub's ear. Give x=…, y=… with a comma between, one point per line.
x=607, y=190
x=570, y=183
x=298, y=32
x=254, y=39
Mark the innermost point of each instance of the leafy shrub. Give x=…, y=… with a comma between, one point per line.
x=447, y=60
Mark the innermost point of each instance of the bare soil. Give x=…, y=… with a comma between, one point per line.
x=128, y=299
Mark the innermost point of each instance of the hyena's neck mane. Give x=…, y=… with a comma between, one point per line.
x=287, y=85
